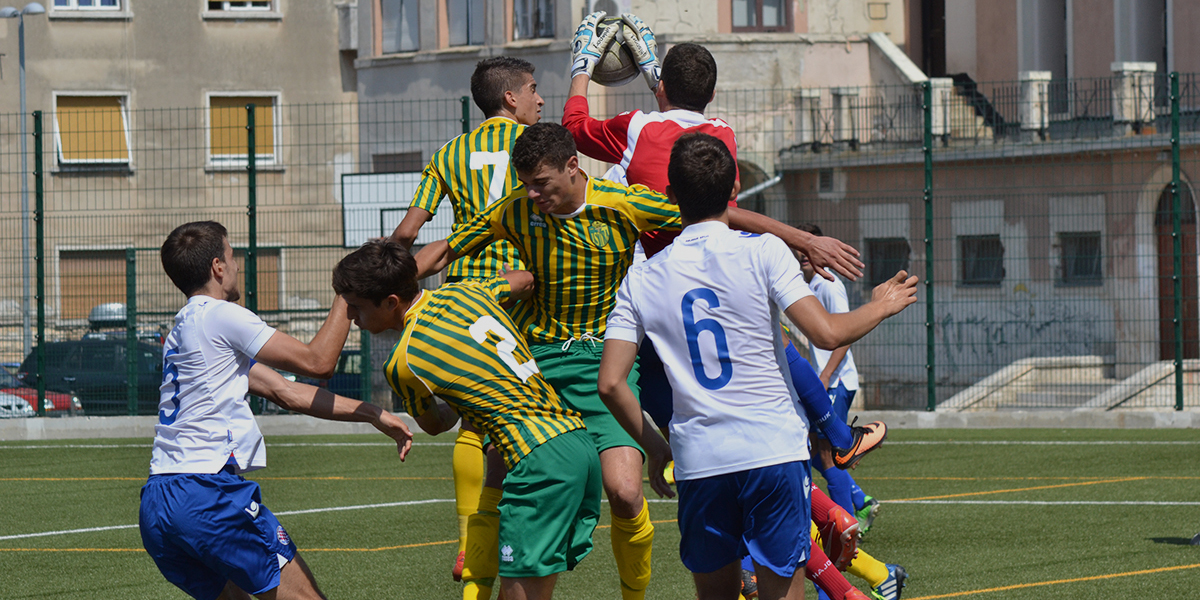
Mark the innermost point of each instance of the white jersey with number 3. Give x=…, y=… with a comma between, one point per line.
x=708, y=303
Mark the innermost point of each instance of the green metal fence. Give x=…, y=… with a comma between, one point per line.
x=1053, y=224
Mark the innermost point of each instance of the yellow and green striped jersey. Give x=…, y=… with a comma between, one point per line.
x=459, y=345
x=474, y=170
x=578, y=260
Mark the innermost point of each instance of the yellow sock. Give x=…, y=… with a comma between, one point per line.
x=481, y=564
x=868, y=568
x=468, y=478
x=631, y=542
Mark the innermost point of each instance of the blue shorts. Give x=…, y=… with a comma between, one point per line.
x=656, y=389
x=763, y=512
x=205, y=530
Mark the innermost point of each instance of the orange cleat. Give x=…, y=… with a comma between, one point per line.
x=855, y=594
x=866, y=439
x=456, y=572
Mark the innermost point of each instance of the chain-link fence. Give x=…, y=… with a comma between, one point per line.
x=1052, y=222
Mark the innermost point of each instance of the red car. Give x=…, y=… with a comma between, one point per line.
x=57, y=403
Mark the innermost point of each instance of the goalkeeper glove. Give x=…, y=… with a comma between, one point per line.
x=589, y=44
x=644, y=49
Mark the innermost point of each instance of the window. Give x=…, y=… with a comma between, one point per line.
x=884, y=258
x=87, y=278
x=240, y=5
x=403, y=162
x=400, y=26
x=825, y=180
x=228, y=137
x=762, y=15
x=87, y=4
x=1081, y=253
x=91, y=130
x=466, y=22
x=982, y=260
x=533, y=19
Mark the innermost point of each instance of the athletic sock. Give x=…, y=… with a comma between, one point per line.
x=821, y=572
x=481, y=563
x=468, y=466
x=868, y=568
x=820, y=504
x=815, y=400
x=840, y=485
x=632, y=540
x=857, y=495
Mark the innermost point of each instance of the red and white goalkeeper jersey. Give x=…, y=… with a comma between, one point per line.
x=639, y=146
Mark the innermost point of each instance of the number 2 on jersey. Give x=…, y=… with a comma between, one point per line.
x=499, y=160
x=505, y=347
x=692, y=328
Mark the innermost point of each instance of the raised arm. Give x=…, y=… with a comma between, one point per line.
x=433, y=258
x=821, y=251
x=323, y=404
x=833, y=331
x=317, y=358
x=406, y=232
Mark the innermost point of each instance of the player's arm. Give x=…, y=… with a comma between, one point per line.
x=468, y=240
x=613, y=383
x=439, y=420
x=317, y=358
x=323, y=404
x=406, y=232
x=822, y=251
x=833, y=331
x=835, y=359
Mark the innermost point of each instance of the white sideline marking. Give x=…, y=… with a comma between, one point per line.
x=283, y=513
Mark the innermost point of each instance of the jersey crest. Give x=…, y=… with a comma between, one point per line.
x=599, y=234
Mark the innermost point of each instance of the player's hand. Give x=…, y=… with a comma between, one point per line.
x=589, y=44
x=520, y=283
x=895, y=294
x=644, y=49
x=658, y=456
x=393, y=427
x=835, y=254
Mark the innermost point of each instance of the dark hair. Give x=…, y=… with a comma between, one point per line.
x=495, y=76
x=701, y=173
x=690, y=73
x=378, y=269
x=810, y=228
x=543, y=144
x=188, y=253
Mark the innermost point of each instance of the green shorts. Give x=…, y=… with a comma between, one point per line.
x=550, y=507
x=573, y=374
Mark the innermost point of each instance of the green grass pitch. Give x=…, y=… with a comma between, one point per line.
x=1003, y=514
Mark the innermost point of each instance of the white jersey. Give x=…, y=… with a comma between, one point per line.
x=832, y=295
x=203, y=416
x=708, y=302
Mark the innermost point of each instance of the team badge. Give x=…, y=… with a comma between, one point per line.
x=282, y=535
x=506, y=553
x=599, y=234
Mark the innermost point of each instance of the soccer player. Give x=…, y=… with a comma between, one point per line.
x=474, y=170
x=459, y=345
x=742, y=471
x=203, y=524
x=576, y=234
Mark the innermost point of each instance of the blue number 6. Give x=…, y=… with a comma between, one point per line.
x=693, y=329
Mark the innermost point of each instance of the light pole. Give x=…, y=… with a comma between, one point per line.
x=8, y=12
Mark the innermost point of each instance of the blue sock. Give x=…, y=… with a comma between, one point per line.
x=857, y=495
x=839, y=487
x=815, y=400
x=821, y=595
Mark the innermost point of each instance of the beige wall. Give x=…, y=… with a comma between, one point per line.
x=1092, y=38
x=996, y=32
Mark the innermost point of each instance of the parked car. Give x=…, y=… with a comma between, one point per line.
x=57, y=403
x=347, y=377
x=14, y=407
x=95, y=372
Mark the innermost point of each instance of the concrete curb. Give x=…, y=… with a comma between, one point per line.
x=143, y=427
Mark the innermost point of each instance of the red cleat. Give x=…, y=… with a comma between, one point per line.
x=839, y=537
x=456, y=572
x=855, y=594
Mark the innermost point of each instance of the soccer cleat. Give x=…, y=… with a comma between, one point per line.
x=839, y=537
x=866, y=439
x=749, y=584
x=855, y=594
x=892, y=586
x=456, y=572
x=866, y=515
x=669, y=472
x=1196, y=540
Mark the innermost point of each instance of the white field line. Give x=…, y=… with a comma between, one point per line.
x=272, y=445
x=650, y=500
